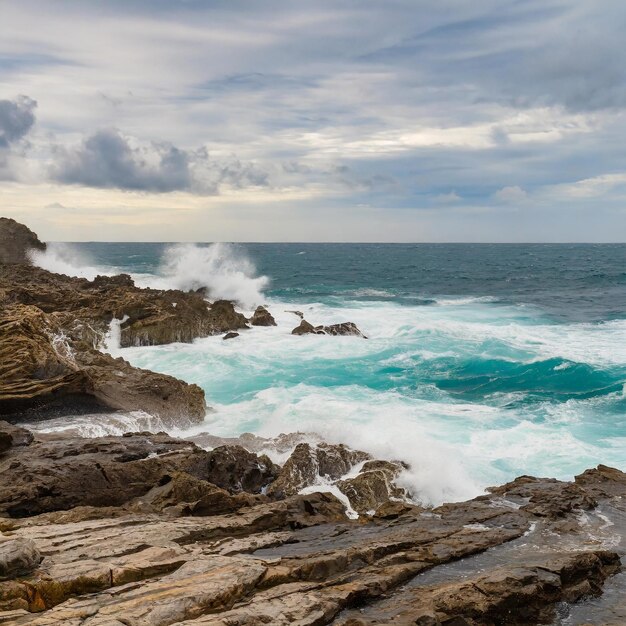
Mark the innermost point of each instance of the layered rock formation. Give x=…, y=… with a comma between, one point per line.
x=45, y=372
x=146, y=316
x=169, y=546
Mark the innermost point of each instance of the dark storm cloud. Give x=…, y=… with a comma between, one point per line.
x=16, y=119
x=107, y=160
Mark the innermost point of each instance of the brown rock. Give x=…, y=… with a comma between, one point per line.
x=17, y=557
x=373, y=486
x=151, y=316
x=307, y=464
x=230, y=335
x=44, y=372
x=345, y=328
x=262, y=317
x=16, y=241
x=235, y=469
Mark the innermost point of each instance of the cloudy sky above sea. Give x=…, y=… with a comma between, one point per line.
x=344, y=120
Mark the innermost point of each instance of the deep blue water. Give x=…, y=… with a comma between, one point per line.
x=483, y=361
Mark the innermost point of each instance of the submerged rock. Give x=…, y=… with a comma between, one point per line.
x=262, y=317
x=17, y=241
x=230, y=335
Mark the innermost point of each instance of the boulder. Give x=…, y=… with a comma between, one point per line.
x=230, y=335
x=17, y=241
x=262, y=317
x=306, y=328
x=46, y=373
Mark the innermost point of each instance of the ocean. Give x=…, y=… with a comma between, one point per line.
x=483, y=362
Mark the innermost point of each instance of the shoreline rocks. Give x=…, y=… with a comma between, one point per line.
x=262, y=317
x=136, y=529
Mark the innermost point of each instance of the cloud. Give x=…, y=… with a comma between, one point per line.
x=510, y=194
x=106, y=159
x=16, y=119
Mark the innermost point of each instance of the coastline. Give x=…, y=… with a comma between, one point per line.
x=226, y=536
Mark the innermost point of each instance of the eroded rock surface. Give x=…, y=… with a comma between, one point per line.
x=146, y=316
x=43, y=371
x=180, y=549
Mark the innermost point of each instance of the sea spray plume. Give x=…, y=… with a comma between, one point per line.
x=221, y=268
x=63, y=258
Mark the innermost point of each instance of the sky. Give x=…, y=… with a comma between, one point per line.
x=344, y=120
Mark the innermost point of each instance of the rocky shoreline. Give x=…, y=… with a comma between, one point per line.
x=146, y=529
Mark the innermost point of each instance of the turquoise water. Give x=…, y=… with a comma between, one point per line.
x=483, y=361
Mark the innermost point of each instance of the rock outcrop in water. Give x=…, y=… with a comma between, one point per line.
x=262, y=317
x=168, y=545
x=345, y=328
x=44, y=372
x=16, y=241
x=146, y=316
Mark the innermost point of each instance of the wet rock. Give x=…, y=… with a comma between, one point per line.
x=308, y=463
x=345, y=328
x=14, y=435
x=18, y=557
x=305, y=328
x=16, y=241
x=262, y=317
x=300, y=314
x=519, y=594
x=373, y=486
x=45, y=373
x=235, y=469
x=230, y=335
x=546, y=497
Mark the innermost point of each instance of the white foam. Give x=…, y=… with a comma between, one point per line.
x=63, y=258
x=223, y=269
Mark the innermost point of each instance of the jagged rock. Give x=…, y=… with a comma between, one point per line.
x=17, y=557
x=262, y=317
x=43, y=373
x=235, y=469
x=373, y=486
x=299, y=560
x=230, y=336
x=16, y=241
x=307, y=464
x=300, y=314
x=151, y=316
x=345, y=328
